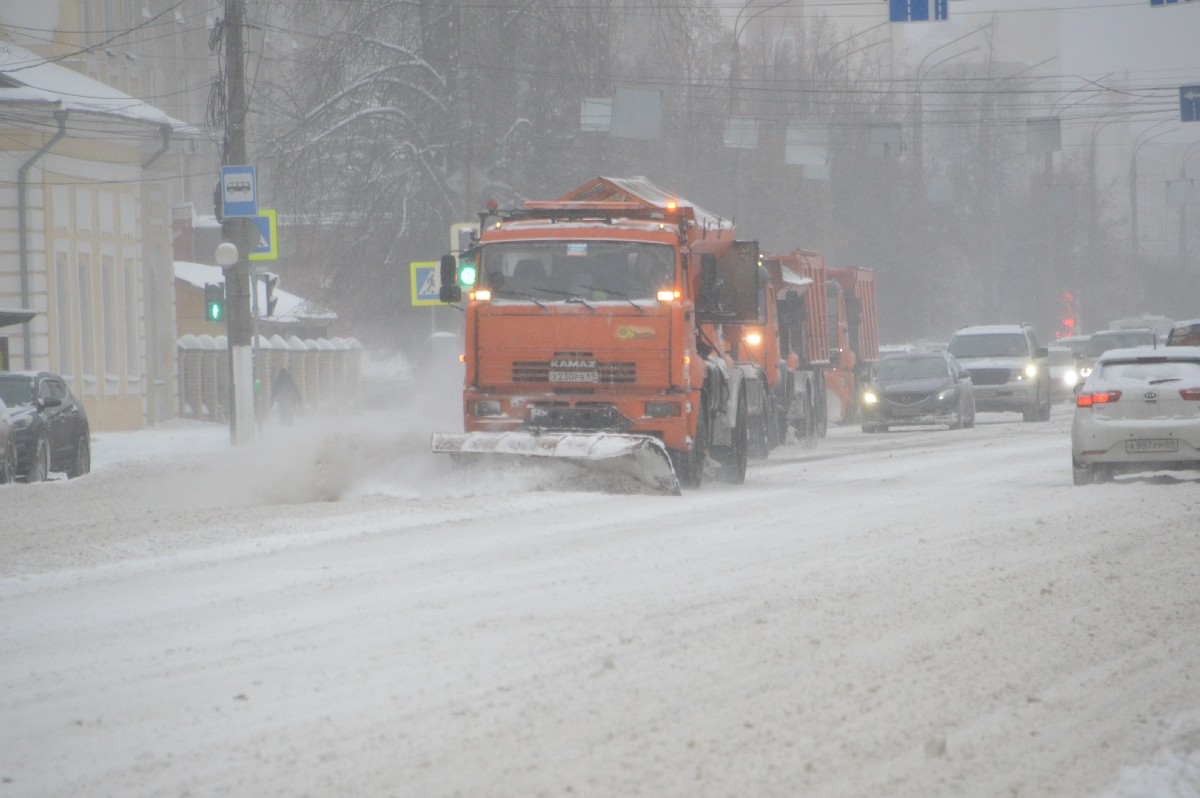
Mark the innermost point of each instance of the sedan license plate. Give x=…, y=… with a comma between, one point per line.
x=1152, y=445
x=574, y=376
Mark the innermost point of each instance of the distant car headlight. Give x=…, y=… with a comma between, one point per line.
x=870, y=398
x=1085, y=371
x=1070, y=378
x=949, y=393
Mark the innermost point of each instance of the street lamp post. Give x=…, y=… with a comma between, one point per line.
x=917, y=109
x=1183, y=210
x=1143, y=138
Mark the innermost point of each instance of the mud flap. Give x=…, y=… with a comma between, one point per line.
x=640, y=457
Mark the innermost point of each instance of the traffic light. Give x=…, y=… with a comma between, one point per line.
x=214, y=302
x=269, y=282
x=467, y=271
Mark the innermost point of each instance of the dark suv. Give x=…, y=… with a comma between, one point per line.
x=1008, y=367
x=50, y=426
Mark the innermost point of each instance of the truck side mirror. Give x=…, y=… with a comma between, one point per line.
x=1041, y=352
x=450, y=291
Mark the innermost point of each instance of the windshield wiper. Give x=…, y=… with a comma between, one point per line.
x=618, y=295
x=519, y=295
x=578, y=300
x=1164, y=379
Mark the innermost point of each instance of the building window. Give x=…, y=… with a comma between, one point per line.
x=83, y=209
x=62, y=289
x=108, y=293
x=106, y=210
x=131, y=326
x=128, y=216
x=60, y=198
x=87, y=324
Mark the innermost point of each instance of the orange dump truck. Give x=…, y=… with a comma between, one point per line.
x=853, y=339
x=593, y=335
x=784, y=355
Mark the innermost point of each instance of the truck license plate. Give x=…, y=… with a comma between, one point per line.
x=1152, y=445
x=574, y=376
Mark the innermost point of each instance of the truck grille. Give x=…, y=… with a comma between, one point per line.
x=606, y=372
x=989, y=376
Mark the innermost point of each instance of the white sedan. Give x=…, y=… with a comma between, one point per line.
x=1138, y=411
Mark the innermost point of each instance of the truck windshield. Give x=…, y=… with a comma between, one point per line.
x=592, y=270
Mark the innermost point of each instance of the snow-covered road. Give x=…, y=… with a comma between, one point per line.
x=922, y=613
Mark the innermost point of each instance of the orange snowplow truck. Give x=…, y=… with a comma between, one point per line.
x=785, y=354
x=853, y=339
x=589, y=335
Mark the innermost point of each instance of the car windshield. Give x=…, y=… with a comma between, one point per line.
x=16, y=391
x=590, y=270
x=1061, y=357
x=1099, y=344
x=989, y=345
x=912, y=368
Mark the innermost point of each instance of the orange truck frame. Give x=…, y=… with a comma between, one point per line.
x=853, y=339
x=594, y=334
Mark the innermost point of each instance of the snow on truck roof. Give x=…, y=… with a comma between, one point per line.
x=641, y=192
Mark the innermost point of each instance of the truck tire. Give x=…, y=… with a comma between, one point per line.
x=689, y=466
x=759, y=436
x=733, y=457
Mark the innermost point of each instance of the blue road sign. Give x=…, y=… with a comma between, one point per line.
x=1189, y=103
x=1167, y=2
x=267, y=246
x=917, y=10
x=239, y=191
x=426, y=282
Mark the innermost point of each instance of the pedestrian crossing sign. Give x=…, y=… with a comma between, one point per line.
x=426, y=282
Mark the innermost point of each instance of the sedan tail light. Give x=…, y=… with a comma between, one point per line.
x=1102, y=398
x=1191, y=394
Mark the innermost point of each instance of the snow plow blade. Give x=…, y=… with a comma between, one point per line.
x=641, y=457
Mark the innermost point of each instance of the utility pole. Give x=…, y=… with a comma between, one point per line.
x=241, y=233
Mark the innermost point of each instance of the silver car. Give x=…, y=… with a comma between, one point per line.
x=1138, y=411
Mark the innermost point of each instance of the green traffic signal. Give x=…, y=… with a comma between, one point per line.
x=214, y=302
x=467, y=273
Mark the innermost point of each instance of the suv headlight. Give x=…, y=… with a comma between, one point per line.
x=1031, y=370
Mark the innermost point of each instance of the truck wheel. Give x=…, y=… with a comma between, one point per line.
x=759, y=445
x=733, y=457
x=689, y=466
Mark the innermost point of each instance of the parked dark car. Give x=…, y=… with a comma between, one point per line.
x=8, y=447
x=927, y=388
x=50, y=425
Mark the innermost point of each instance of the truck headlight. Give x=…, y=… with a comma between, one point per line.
x=870, y=398
x=662, y=409
x=487, y=407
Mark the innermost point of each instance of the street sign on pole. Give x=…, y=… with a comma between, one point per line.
x=917, y=10
x=1189, y=103
x=239, y=191
x=426, y=283
x=268, y=237
x=1167, y=2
